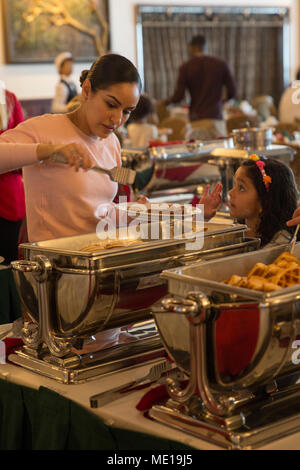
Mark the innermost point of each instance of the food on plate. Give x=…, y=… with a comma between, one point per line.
x=283, y=272
x=109, y=244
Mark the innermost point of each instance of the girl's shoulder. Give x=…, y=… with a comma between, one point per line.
x=280, y=238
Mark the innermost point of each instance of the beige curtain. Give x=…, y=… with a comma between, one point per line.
x=251, y=45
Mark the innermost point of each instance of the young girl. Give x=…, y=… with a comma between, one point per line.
x=264, y=197
x=140, y=131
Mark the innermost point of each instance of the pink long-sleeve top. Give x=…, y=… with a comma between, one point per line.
x=60, y=202
x=12, y=197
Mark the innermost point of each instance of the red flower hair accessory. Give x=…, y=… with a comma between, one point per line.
x=261, y=166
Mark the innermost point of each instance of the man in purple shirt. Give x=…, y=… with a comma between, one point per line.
x=205, y=78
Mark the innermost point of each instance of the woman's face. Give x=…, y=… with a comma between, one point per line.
x=244, y=202
x=106, y=110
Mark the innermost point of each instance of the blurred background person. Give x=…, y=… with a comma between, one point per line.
x=206, y=78
x=142, y=126
x=12, y=196
x=65, y=89
x=140, y=130
x=289, y=104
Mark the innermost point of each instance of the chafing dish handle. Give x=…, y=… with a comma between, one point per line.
x=40, y=267
x=196, y=306
x=25, y=266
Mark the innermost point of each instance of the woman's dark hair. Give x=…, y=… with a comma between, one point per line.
x=278, y=202
x=143, y=109
x=111, y=69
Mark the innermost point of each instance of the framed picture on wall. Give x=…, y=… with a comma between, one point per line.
x=38, y=30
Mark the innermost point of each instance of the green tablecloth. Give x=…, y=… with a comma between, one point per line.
x=44, y=420
x=10, y=308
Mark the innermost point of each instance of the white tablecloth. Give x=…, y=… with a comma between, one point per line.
x=122, y=413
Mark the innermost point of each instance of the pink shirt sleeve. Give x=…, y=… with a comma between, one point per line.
x=18, y=147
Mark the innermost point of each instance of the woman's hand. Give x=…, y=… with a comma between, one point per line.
x=143, y=200
x=71, y=154
x=211, y=201
x=295, y=220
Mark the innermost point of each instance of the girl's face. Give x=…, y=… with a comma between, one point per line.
x=106, y=110
x=244, y=202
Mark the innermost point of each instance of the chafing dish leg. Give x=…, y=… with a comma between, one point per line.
x=34, y=335
x=196, y=306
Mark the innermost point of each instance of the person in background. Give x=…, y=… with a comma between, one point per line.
x=264, y=197
x=140, y=130
x=65, y=89
x=204, y=77
x=12, y=196
x=288, y=108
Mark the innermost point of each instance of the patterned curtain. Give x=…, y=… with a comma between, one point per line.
x=251, y=43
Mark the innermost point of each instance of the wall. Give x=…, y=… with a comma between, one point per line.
x=38, y=80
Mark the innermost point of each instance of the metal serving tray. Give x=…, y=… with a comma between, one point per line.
x=70, y=295
x=65, y=252
x=275, y=318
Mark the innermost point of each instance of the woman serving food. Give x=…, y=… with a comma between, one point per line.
x=62, y=202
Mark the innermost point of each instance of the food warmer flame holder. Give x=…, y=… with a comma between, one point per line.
x=244, y=381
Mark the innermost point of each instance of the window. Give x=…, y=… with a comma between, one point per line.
x=253, y=41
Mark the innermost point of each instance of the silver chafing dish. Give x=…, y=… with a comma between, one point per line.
x=238, y=347
x=70, y=295
x=173, y=170
x=177, y=172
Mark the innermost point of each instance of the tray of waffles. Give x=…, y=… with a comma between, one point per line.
x=263, y=275
x=283, y=272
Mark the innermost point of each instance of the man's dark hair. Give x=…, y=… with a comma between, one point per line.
x=198, y=41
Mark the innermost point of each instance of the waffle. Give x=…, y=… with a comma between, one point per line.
x=283, y=272
x=109, y=244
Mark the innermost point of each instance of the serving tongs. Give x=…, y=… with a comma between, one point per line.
x=293, y=241
x=155, y=373
x=116, y=174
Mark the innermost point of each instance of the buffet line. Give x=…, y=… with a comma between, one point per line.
x=230, y=339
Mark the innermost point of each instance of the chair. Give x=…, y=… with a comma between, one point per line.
x=282, y=127
x=161, y=111
x=178, y=125
x=241, y=121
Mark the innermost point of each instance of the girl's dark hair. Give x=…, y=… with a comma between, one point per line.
x=111, y=69
x=143, y=109
x=278, y=202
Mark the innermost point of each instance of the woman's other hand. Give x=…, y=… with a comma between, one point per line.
x=72, y=154
x=143, y=200
x=211, y=201
x=295, y=220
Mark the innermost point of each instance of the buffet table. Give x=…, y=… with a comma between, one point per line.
x=42, y=414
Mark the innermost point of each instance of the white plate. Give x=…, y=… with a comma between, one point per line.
x=159, y=210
